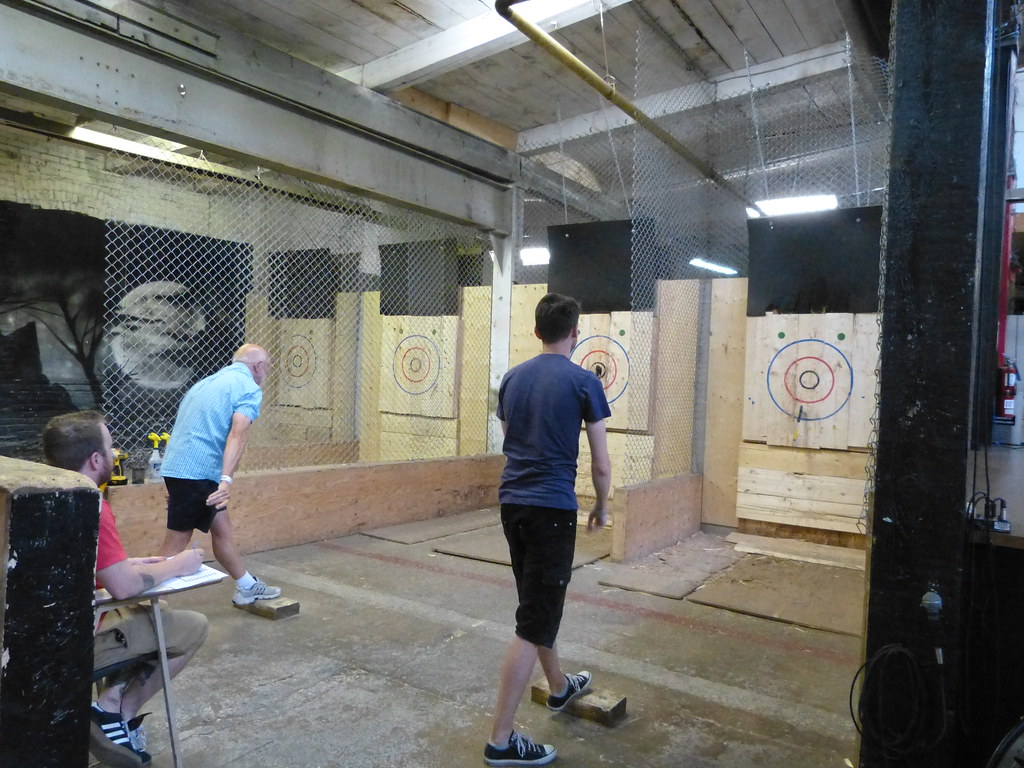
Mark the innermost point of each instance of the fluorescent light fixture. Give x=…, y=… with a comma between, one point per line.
x=713, y=267
x=532, y=257
x=782, y=206
x=165, y=150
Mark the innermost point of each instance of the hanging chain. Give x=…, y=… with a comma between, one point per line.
x=853, y=117
x=757, y=127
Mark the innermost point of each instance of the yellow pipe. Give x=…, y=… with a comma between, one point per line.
x=595, y=81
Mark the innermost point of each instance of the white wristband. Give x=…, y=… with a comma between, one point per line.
x=226, y=479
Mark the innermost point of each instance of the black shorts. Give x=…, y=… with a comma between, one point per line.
x=541, y=543
x=186, y=504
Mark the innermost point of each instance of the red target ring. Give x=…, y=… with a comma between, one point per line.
x=809, y=379
x=603, y=365
x=415, y=365
x=608, y=360
x=798, y=373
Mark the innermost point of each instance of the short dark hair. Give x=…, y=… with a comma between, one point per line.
x=556, y=316
x=70, y=439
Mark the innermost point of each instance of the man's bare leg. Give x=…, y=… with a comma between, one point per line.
x=516, y=670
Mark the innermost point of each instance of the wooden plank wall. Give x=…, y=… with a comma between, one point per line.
x=809, y=397
x=725, y=400
x=369, y=390
x=523, y=344
x=346, y=360
x=282, y=509
x=651, y=516
x=802, y=487
x=675, y=350
x=474, y=383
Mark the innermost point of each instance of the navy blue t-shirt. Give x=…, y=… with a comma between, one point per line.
x=543, y=402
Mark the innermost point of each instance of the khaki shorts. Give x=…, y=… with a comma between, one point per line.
x=135, y=635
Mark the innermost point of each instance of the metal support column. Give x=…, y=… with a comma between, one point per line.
x=932, y=258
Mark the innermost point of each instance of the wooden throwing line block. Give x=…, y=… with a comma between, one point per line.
x=605, y=708
x=278, y=608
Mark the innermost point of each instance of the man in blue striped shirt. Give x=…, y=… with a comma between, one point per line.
x=206, y=445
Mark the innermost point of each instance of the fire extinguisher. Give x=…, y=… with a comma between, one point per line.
x=1007, y=389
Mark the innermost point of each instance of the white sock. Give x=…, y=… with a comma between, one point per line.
x=246, y=582
x=565, y=688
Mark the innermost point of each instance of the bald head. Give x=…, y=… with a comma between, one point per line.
x=250, y=353
x=256, y=359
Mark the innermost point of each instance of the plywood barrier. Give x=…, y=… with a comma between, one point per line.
x=370, y=324
x=725, y=399
x=675, y=349
x=475, y=372
x=651, y=516
x=813, y=535
x=281, y=509
x=523, y=344
x=802, y=487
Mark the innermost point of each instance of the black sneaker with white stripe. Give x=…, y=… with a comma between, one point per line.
x=520, y=751
x=577, y=685
x=110, y=741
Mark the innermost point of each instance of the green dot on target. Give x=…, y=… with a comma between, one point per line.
x=782, y=334
x=842, y=336
x=622, y=332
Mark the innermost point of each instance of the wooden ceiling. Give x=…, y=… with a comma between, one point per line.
x=460, y=52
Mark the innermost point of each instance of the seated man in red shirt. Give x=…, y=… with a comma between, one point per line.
x=81, y=442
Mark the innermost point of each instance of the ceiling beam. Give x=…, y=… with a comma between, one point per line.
x=729, y=85
x=245, y=67
x=467, y=43
x=95, y=76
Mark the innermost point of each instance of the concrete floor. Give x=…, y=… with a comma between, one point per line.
x=394, y=657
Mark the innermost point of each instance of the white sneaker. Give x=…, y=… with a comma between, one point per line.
x=258, y=591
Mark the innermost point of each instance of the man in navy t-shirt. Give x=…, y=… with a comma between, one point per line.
x=542, y=404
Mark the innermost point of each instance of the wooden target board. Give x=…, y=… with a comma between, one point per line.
x=604, y=347
x=807, y=377
x=304, y=363
x=418, y=365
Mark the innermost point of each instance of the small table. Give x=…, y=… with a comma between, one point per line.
x=103, y=599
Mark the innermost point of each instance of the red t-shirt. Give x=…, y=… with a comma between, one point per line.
x=109, y=550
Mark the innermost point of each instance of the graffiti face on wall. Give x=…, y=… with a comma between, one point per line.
x=99, y=314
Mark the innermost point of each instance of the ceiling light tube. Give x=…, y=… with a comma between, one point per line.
x=713, y=267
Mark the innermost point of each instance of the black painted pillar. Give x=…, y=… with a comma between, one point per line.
x=49, y=520
x=932, y=259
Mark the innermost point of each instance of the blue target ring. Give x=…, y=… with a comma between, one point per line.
x=602, y=361
x=801, y=415
x=416, y=364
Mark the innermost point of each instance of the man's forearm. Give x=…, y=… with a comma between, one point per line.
x=601, y=476
x=233, y=450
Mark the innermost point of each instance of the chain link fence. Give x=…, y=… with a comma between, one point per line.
x=824, y=134
x=378, y=318
x=373, y=315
